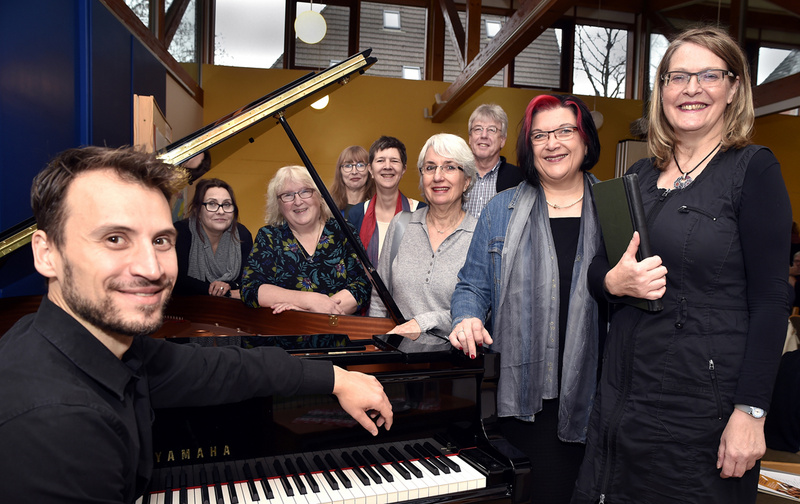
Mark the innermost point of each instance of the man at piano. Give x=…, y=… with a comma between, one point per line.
x=80, y=377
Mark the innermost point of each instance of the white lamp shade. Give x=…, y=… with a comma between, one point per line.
x=598, y=118
x=310, y=27
x=321, y=103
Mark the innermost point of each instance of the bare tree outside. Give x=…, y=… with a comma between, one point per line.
x=600, y=61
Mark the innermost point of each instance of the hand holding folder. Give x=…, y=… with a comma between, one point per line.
x=620, y=212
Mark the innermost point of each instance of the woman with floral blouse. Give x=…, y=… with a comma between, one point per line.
x=301, y=260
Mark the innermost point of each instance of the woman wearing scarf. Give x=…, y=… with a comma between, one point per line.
x=523, y=291
x=211, y=243
x=387, y=164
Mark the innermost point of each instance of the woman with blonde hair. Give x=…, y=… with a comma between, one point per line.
x=352, y=183
x=679, y=412
x=301, y=260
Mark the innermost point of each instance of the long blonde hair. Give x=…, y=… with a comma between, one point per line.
x=739, y=115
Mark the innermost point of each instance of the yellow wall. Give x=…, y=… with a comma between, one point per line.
x=368, y=107
x=781, y=133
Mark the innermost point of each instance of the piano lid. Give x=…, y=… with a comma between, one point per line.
x=269, y=105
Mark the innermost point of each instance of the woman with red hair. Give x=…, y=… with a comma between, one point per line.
x=523, y=292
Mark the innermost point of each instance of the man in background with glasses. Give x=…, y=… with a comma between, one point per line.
x=488, y=127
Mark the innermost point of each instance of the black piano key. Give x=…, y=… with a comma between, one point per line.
x=217, y=484
x=441, y=456
x=377, y=465
x=431, y=457
x=202, y=479
x=395, y=464
x=326, y=472
x=298, y=482
x=338, y=471
x=168, y=487
x=262, y=474
x=182, y=481
x=250, y=480
x=356, y=470
x=421, y=459
x=312, y=483
x=367, y=468
x=404, y=460
x=282, y=478
x=233, y=495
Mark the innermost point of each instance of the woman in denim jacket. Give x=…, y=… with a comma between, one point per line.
x=523, y=291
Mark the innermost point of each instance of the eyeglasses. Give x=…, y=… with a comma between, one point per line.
x=707, y=78
x=213, y=206
x=349, y=167
x=478, y=130
x=446, y=169
x=563, y=133
x=288, y=197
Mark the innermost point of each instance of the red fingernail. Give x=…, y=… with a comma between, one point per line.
x=472, y=356
x=460, y=348
x=480, y=344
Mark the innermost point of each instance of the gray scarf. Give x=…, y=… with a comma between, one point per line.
x=526, y=320
x=207, y=266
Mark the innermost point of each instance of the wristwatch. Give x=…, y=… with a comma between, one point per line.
x=751, y=410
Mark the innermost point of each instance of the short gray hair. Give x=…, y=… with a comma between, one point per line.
x=455, y=148
x=490, y=111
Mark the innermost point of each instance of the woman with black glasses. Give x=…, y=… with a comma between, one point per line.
x=211, y=243
x=301, y=259
x=352, y=183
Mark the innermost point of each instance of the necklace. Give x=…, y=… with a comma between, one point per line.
x=441, y=231
x=559, y=207
x=684, y=179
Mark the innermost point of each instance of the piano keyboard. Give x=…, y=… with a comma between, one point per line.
x=373, y=474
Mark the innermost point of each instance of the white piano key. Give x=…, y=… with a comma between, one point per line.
x=471, y=477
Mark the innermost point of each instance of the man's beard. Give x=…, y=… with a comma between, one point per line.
x=104, y=315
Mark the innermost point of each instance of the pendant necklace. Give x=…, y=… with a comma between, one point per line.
x=684, y=179
x=559, y=207
x=430, y=220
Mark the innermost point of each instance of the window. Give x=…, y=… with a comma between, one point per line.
x=770, y=64
x=492, y=27
x=183, y=46
x=393, y=48
x=658, y=46
x=334, y=47
x=539, y=64
x=412, y=72
x=249, y=33
x=391, y=19
x=600, y=64
x=451, y=59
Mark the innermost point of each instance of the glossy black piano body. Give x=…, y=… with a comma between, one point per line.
x=441, y=399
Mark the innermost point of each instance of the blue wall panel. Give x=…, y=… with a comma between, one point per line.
x=68, y=72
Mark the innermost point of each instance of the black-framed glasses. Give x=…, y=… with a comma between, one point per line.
x=490, y=130
x=446, y=169
x=288, y=197
x=708, y=78
x=562, y=133
x=213, y=206
x=349, y=167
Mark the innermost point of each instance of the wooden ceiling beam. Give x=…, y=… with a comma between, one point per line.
x=777, y=96
x=173, y=19
x=473, y=41
x=522, y=28
x=454, y=28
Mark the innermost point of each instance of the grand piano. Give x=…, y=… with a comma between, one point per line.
x=306, y=450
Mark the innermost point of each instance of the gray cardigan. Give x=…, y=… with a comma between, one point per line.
x=423, y=280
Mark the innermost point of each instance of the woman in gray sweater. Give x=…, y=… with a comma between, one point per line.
x=420, y=266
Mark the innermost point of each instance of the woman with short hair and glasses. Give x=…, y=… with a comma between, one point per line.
x=352, y=183
x=433, y=244
x=522, y=291
x=211, y=243
x=679, y=413
x=301, y=260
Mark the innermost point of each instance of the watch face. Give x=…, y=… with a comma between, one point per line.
x=756, y=412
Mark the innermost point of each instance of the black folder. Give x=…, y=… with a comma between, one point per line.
x=619, y=209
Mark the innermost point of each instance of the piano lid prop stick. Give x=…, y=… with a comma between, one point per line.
x=383, y=292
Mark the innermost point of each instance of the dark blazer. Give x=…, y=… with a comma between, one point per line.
x=186, y=285
x=508, y=175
